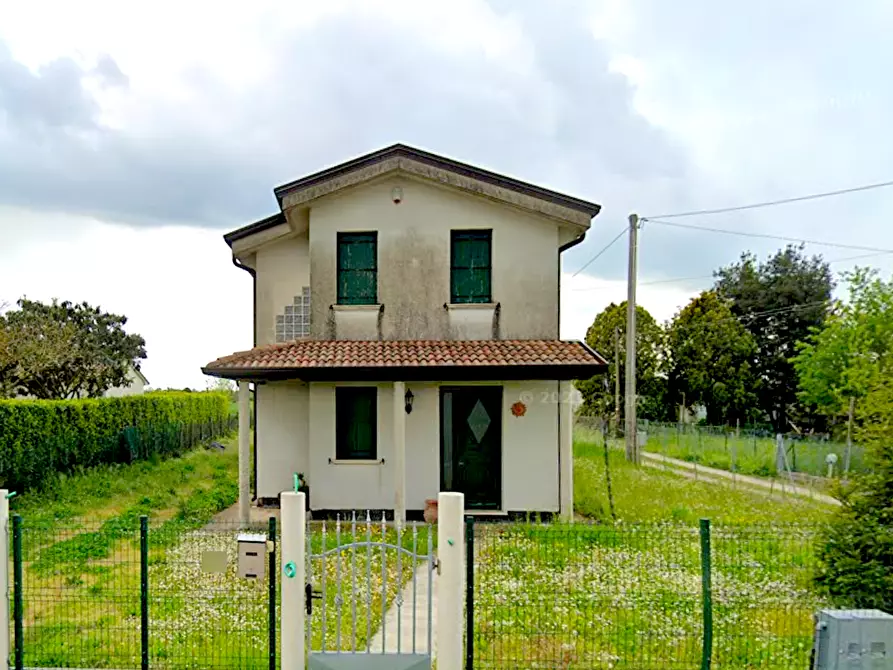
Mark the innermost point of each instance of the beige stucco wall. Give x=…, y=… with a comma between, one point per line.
x=414, y=259
x=282, y=270
x=282, y=436
x=529, y=449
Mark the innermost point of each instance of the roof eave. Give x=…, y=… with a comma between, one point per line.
x=258, y=226
x=418, y=373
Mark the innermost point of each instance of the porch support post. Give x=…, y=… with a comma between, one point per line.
x=399, y=452
x=244, y=456
x=566, y=450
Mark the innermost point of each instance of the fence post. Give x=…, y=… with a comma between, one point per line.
x=272, y=597
x=707, y=595
x=469, y=592
x=450, y=587
x=4, y=577
x=18, y=608
x=144, y=592
x=293, y=515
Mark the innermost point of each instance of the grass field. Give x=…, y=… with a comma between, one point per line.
x=81, y=566
x=749, y=454
x=627, y=594
x=647, y=495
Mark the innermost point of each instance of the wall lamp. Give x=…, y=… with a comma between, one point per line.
x=408, y=398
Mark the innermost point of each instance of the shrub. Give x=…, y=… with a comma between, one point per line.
x=41, y=437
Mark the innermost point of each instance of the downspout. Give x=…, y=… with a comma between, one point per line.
x=253, y=274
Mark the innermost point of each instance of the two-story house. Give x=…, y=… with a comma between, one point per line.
x=406, y=338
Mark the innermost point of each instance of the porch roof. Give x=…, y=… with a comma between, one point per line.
x=411, y=360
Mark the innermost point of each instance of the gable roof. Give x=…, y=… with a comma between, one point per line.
x=431, y=360
x=393, y=153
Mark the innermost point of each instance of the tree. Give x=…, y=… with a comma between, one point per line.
x=709, y=359
x=598, y=392
x=843, y=360
x=66, y=350
x=780, y=302
x=856, y=566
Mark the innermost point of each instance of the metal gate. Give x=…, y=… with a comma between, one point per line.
x=369, y=595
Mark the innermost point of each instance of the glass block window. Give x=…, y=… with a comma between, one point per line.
x=295, y=322
x=357, y=268
x=470, y=266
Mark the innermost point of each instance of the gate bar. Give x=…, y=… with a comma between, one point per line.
x=469, y=592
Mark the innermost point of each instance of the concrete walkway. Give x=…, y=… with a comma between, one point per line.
x=404, y=615
x=757, y=484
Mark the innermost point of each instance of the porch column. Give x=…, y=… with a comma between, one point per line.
x=244, y=456
x=566, y=450
x=399, y=452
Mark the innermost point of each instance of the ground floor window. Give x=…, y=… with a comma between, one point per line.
x=356, y=423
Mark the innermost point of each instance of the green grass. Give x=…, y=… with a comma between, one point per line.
x=747, y=454
x=643, y=494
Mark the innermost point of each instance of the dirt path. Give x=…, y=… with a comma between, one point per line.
x=757, y=484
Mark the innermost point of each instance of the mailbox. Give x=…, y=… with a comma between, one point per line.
x=252, y=555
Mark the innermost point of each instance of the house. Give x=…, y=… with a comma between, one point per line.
x=136, y=385
x=406, y=311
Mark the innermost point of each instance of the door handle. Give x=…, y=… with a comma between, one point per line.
x=309, y=596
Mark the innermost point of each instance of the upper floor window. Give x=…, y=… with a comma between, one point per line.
x=357, y=268
x=470, y=254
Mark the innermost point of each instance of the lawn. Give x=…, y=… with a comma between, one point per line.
x=81, y=555
x=749, y=454
x=626, y=593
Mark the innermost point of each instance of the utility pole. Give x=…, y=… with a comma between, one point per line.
x=616, y=382
x=632, y=448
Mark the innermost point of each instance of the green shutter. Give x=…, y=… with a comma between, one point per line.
x=357, y=268
x=356, y=423
x=470, y=269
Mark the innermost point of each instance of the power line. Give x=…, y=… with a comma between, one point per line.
x=598, y=255
x=772, y=203
x=676, y=280
x=784, y=238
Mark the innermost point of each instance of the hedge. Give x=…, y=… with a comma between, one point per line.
x=39, y=438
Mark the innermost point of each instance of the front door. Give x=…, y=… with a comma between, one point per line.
x=471, y=444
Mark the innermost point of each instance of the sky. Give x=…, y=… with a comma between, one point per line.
x=132, y=138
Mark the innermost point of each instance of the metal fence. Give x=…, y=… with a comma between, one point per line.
x=127, y=593
x=582, y=596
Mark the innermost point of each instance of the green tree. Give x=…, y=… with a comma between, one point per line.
x=856, y=566
x=709, y=359
x=66, y=350
x=780, y=301
x=598, y=392
x=845, y=358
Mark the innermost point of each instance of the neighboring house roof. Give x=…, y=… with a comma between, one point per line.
x=431, y=360
x=381, y=161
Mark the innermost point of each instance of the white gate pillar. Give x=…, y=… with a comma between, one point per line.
x=450, y=581
x=293, y=544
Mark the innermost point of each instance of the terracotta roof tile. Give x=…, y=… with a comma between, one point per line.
x=314, y=354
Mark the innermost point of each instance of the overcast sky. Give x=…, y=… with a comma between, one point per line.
x=131, y=139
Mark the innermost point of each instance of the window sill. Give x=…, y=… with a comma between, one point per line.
x=350, y=461
x=357, y=308
x=471, y=305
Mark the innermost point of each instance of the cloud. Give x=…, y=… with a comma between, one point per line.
x=528, y=93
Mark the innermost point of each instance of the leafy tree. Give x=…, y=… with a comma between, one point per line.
x=67, y=350
x=857, y=555
x=709, y=359
x=845, y=359
x=598, y=392
x=780, y=302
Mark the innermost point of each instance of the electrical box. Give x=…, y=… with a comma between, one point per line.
x=853, y=640
x=252, y=555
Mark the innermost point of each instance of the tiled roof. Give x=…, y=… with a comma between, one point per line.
x=314, y=354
